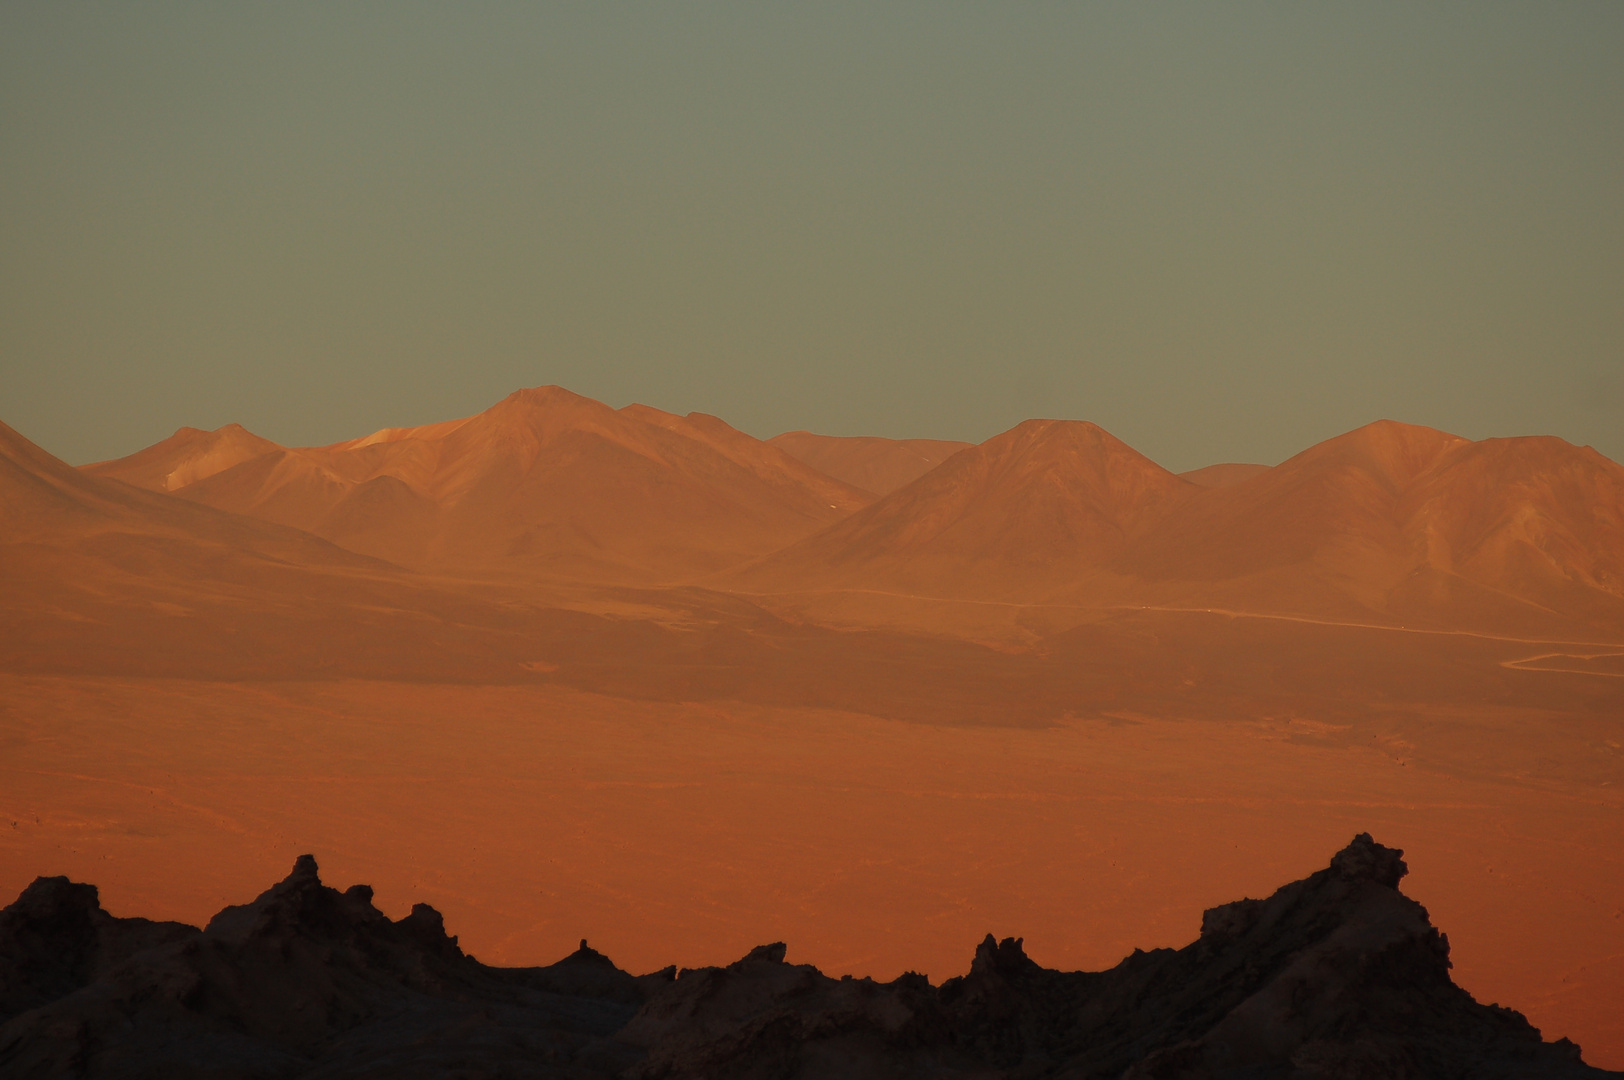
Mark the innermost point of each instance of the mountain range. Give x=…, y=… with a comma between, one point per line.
x=1392, y=524
x=544, y=481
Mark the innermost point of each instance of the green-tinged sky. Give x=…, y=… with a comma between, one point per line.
x=1222, y=231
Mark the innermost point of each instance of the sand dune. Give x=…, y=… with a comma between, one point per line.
x=873, y=464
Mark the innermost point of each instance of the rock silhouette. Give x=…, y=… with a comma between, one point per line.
x=1336, y=975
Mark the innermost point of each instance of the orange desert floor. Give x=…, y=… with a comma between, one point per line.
x=682, y=833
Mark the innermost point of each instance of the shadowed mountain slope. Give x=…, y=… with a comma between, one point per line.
x=873, y=464
x=1337, y=975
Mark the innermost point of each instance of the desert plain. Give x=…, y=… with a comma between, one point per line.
x=568, y=671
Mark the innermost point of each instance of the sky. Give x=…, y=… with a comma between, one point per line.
x=1222, y=231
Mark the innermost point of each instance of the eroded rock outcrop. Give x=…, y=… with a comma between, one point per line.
x=1336, y=976
x=56, y=938
x=309, y=981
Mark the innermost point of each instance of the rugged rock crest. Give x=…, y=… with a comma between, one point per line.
x=1335, y=976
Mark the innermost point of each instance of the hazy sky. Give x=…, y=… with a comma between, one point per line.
x=1222, y=231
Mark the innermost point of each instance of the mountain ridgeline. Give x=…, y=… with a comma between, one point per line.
x=1390, y=523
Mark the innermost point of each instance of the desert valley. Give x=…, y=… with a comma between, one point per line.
x=564, y=670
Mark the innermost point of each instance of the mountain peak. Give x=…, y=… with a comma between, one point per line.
x=547, y=397
x=1394, y=452
x=187, y=456
x=1030, y=510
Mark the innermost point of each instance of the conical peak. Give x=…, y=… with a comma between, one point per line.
x=1039, y=427
x=237, y=435
x=527, y=420
x=546, y=397
x=542, y=409
x=1073, y=447
x=1395, y=436
x=1061, y=435
x=187, y=456
x=233, y=432
x=1388, y=449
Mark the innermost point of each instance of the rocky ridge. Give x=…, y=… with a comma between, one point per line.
x=1338, y=975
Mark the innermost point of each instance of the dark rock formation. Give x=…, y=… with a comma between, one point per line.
x=1336, y=976
x=308, y=981
x=56, y=938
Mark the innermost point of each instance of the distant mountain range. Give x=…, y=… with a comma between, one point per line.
x=545, y=480
x=1392, y=524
